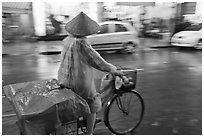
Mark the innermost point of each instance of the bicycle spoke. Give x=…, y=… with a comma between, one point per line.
x=116, y=119
x=128, y=103
x=125, y=113
x=133, y=112
x=131, y=117
x=131, y=103
x=124, y=102
x=116, y=108
x=120, y=104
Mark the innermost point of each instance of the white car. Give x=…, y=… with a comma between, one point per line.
x=190, y=37
x=115, y=35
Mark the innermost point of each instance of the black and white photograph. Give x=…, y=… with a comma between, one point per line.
x=101, y=67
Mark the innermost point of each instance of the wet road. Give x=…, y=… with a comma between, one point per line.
x=171, y=84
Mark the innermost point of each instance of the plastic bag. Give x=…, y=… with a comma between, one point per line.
x=41, y=106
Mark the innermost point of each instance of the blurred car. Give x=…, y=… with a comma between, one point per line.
x=154, y=33
x=115, y=35
x=190, y=37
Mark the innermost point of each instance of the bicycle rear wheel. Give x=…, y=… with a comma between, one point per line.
x=124, y=112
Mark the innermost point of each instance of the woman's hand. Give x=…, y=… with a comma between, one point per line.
x=119, y=73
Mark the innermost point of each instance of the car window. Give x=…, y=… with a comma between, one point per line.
x=194, y=27
x=104, y=29
x=120, y=28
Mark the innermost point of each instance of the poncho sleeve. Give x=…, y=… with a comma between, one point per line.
x=93, y=58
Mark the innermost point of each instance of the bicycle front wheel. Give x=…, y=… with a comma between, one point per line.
x=124, y=112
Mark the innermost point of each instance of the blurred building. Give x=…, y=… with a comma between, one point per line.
x=32, y=18
x=17, y=19
x=62, y=12
x=131, y=12
x=155, y=18
x=192, y=12
x=28, y=18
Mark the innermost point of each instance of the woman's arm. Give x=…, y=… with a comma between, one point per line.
x=94, y=59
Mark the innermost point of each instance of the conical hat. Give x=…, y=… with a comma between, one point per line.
x=82, y=25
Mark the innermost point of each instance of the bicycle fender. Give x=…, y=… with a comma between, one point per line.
x=108, y=104
x=135, y=91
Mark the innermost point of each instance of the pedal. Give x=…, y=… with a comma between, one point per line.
x=82, y=122
x=98, y=120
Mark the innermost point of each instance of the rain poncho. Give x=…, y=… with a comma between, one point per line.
x=76, y=69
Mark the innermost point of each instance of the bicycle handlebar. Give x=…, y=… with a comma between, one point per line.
x=139, y=69
x=129, y=69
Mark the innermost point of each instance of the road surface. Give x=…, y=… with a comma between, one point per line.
x=171, y=83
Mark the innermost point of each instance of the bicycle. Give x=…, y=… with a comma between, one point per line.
x=124, y=101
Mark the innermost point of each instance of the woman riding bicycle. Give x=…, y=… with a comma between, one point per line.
x=77, y=62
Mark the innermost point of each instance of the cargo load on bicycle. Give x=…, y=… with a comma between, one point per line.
x=43, y=106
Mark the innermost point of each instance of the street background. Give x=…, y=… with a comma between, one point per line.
x=170, y=84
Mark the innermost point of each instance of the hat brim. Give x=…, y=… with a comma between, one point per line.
x=82, y=25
